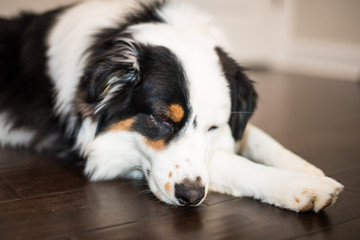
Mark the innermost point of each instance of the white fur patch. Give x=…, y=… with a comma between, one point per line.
x=15, y=138
x=111, y=155
x=86, y=134
x=260, y=147
x=283, y=188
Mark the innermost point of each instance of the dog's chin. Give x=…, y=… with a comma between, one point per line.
x=165, y=198
x=168, y=200
x=173, y=202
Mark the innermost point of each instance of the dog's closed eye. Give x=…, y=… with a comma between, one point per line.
x=214, y=127
x=165, y=120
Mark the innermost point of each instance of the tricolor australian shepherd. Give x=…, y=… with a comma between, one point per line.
x=146, y=90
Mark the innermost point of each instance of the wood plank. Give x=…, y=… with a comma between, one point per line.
x=45, y=179
x=347, y=230
x=99, y=205
x=350, y=201
x=15, y=159
x=350, y=178
x=240, y=219
x=7, y=193
x=316, y=118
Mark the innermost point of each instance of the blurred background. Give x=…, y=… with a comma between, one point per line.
x=309, y=37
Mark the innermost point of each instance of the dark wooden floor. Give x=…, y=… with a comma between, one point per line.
x=44, y=198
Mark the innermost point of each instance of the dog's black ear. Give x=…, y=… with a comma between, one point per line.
x=112, y=70
x=243, y=94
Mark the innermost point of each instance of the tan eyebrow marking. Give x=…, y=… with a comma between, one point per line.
x=124, y=125
x=175, y=112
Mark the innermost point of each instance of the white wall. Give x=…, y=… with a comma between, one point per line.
x=322, y=38
x=311, y=37
x=286, y=35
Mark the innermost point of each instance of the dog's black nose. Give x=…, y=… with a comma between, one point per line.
x=189, y=193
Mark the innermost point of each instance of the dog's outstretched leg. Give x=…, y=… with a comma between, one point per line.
x=238, y=176
x=260, y=147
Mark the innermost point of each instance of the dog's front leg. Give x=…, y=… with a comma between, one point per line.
x=260, y=147
x=236, y=175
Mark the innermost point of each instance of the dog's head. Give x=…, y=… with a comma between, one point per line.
x=162, y=100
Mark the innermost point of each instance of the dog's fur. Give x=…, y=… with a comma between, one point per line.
x=146, y=91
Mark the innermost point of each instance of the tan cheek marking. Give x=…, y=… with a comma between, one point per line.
x=175, y=112
x=158, y=195
x=297, y=200
x=168, y=188
x=170, y=174
x=177, y=166
x=158, y=145
x=124, y=125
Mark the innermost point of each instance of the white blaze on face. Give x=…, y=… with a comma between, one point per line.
x=187, y=156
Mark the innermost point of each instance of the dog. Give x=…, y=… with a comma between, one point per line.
x=146, y=90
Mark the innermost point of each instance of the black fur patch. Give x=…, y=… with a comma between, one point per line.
x=26, y=92
x=148, y=80
x=25, y=89
x=163, y=83
x=145, y=93
x=109, y=45
x=108, y=57
x=243, y=94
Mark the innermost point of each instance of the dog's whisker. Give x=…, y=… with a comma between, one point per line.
x=143, y=192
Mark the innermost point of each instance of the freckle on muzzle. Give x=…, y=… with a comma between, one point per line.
x=189, y=192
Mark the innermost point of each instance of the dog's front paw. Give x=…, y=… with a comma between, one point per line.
x=306, y=193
